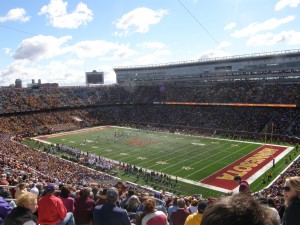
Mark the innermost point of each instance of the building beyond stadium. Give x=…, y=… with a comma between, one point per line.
x=281, y=66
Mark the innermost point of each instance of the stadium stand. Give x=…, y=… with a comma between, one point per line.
x=203, y=109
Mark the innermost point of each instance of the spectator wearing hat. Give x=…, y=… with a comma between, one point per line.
x=109, y=213
x=51, y=209
x=84, y=207
x=179, y=216
x=244, y=186
x=102, y=198
x=195, y=218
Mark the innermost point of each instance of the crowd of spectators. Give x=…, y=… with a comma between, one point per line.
x=94, y=203
x=28, y=112
x=281, y=123
x=22, y=173
x=22, y=159
x=22, y=100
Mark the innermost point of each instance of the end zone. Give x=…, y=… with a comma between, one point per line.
x=249, y=167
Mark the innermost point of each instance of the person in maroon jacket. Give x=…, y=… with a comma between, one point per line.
x=84, y=207
x=244, y=186
x=179, y=216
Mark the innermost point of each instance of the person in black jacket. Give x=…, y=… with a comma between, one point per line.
x=24, y=212
x=109, y=213
x=291, y=215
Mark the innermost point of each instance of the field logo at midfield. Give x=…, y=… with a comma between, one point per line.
x=140, y=143
x=245, y=167
x=68, y=133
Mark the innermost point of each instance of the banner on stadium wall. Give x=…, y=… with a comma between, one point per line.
x=229, y=104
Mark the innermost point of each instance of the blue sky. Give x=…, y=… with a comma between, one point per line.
x=59, y=40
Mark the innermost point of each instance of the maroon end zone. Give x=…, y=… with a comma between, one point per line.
x=43, y=138
x=244, y=167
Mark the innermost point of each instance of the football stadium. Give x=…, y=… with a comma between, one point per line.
x=181, y=129
x=211, y=140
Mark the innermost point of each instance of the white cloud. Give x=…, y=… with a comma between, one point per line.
x=15, y=69
x=151, y=44
x=230, y=26
x=254, y=28
x=64, y=72
x=99, y=48
x=68, y=72
x=224, y=44
x=147, y=58
x=281, y=4
x=56, y=12
x=151, y=58
x=7, y=51
x=46, y=47
x=268, y=39
x=17, y=14
x=109, y=74
x=139, y=21
x=59, y=61
x=212, y=54
x=40, y=47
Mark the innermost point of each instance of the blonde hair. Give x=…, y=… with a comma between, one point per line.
x=25, y=200
x=295, y=184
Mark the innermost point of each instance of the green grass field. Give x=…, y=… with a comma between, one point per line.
x=188, y=157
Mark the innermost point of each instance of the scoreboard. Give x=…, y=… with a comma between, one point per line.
x=94, y=77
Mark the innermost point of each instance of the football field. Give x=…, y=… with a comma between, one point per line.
x=209, y=162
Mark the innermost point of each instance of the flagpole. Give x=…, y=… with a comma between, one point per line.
x=272, y=131
x=266, y=133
